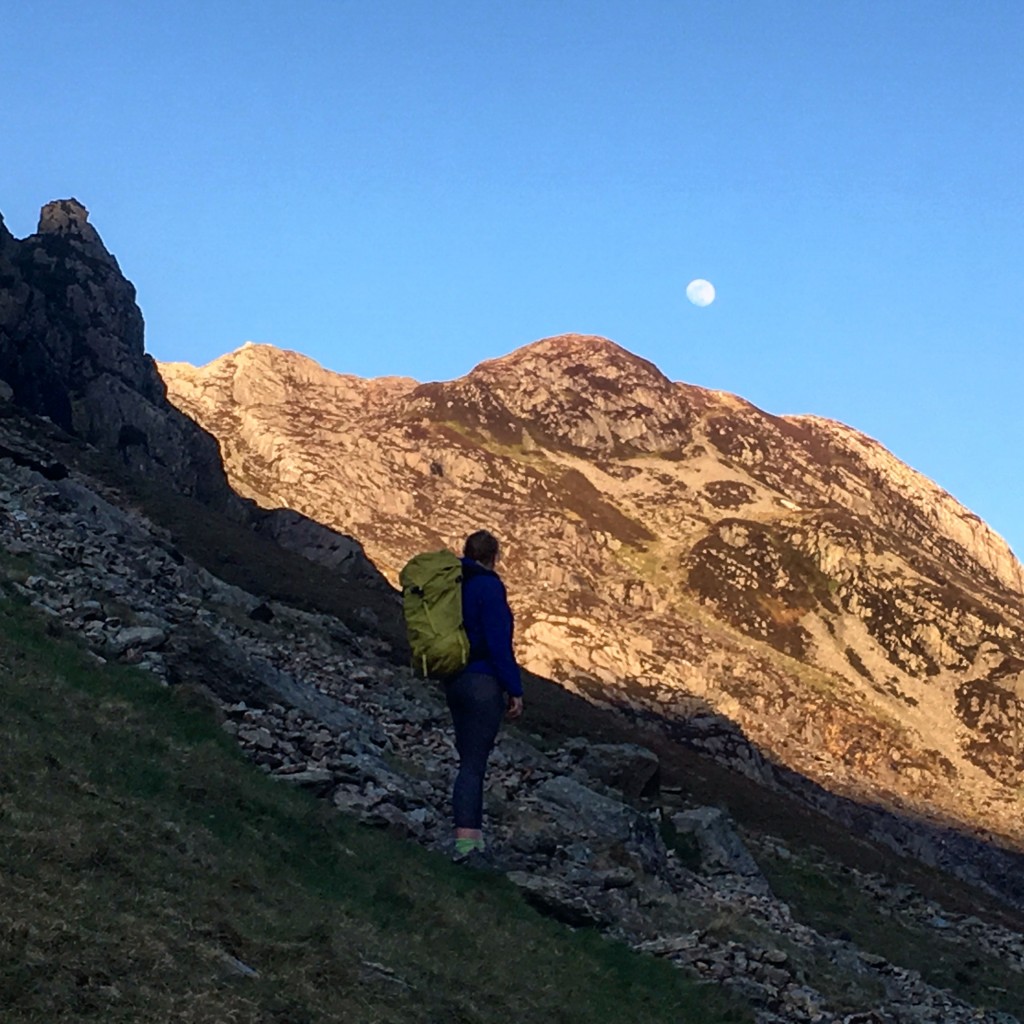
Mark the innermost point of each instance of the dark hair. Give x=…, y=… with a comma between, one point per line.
x=482, y=547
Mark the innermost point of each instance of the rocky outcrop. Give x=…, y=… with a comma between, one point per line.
x=71, y=348
x=675, y=551
x=722, y=850
x=315, y=542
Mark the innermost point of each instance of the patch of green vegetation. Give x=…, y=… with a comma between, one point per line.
x=533, y=456
x=15, y=567
x=149, y=873
x=646, y=560
x=827, y=897
x=476, y=436
x=512, y=451
x=684, y=844
x=464, y=430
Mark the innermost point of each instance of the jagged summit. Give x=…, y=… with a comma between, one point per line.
x=259, y=374
x=72, y=349
x=256, y=357
x=260, y=356
x=586, y=393
x=571, y=349
x=68, y=217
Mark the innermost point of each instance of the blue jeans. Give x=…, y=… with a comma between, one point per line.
x=477, y=703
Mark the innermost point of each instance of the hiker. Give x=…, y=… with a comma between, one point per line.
x=486, y=690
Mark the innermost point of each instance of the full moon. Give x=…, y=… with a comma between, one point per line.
x=700, y=292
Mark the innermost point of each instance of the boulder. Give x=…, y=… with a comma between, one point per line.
x=627, y=767
x=722, y=850
x=602, y=822
x=559, y=900
x=138, y=638
x=583, y=811
x=317, y=543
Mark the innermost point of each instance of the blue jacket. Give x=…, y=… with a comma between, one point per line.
x=489, y=625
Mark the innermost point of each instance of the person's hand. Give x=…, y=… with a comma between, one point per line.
x=515, y=708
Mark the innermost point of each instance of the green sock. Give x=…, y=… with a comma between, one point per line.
x=464, y=846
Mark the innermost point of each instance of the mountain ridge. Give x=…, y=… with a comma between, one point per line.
x=675, y=545
x=827, y=431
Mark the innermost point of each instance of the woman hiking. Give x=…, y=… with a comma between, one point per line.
x=485, y=691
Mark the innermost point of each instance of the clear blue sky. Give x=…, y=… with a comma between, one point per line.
x=412, y=187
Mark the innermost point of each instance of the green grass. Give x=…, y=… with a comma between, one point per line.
x=824, y=896
x=139, y=853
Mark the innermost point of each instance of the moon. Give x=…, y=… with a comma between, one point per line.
x=700, y=292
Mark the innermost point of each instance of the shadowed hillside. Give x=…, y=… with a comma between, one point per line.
x=149, y=874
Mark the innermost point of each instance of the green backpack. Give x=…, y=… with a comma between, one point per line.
x=432, y=603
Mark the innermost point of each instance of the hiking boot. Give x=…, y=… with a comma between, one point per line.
x=479, y=860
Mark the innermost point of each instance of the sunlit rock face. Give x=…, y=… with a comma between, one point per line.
x=676, y=550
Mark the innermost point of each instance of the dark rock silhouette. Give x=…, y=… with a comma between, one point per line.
x=72, y=349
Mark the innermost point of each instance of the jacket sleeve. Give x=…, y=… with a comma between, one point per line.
x=498, y=626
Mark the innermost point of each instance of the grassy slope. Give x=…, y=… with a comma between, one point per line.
x=139, y=852
x=816, y=882
x=823, y=895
